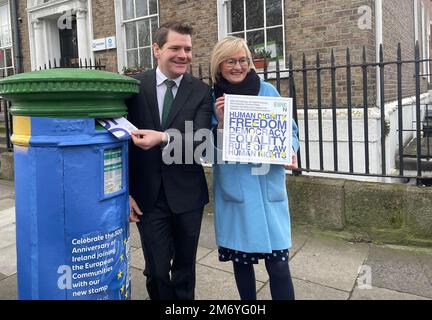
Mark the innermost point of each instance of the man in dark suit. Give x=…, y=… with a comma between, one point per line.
x=167, y=200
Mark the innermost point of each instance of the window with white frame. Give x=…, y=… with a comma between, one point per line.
x=260, y=22
x=6, y=60
x=140, y=20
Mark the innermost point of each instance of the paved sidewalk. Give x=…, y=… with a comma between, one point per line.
x=323, y=266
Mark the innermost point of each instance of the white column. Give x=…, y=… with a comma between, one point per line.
x=378, y=42
x=424, y=43
x=81, y=18
x=39, y=43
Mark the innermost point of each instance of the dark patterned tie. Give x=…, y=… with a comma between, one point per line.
x=168, y=100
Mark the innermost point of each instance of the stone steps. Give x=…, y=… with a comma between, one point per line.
x=410, y=158
x=3, y=146
x=2, y=137
x=427, y=124
x=2, y=134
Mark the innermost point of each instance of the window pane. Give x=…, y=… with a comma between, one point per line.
x=255, y=40
x=10, y=71
x=141, y=8
x=8, y=57
x=274, y=12
x=143, y=33
x=275, y=42
x=6, y=37
x=128, y=9
x=132, y=58
x=145, y=58
x=254, y=14
x=131, y=35
x=4, y=21
x=153, y=6
x=154, y=26
x=235, y=16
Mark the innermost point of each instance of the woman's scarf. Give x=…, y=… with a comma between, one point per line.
x=249, y=86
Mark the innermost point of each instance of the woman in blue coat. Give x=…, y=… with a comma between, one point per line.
x=252, y=219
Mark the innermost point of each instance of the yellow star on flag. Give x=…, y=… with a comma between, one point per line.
x=272, y=155
x=126, y=294
x=119, y=274
x=125, y=241
x=273, y=115
x=261, y=152
x=122, y=288
x=261, y=116
x=283, y=154
x=121, y=257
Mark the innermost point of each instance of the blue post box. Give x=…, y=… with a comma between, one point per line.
x=71, y=184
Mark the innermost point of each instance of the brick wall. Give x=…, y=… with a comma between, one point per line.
x=313, y=26
x=104, y=26
x=202, y=16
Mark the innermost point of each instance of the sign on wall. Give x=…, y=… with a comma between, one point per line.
x=104, y=44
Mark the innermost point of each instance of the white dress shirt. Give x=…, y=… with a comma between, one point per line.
x=161, y=89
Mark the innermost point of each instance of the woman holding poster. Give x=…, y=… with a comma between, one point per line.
x=252, y=219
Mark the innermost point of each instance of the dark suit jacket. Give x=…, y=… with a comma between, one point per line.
x=184, y=184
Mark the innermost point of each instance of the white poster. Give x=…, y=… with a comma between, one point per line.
x=257, y=129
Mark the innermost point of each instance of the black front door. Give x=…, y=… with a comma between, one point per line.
x=69, y=45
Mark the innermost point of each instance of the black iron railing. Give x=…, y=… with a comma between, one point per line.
x=320, y=89
x=73, y=63
x=339, y=78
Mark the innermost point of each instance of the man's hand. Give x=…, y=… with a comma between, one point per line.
x=220, y=102
x=147, y=139
x=134, y=210
x=293, y=164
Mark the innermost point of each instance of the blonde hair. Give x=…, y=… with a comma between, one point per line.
x=223, y=50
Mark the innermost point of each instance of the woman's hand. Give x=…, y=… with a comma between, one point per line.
x=293, y=164
x=220, y=102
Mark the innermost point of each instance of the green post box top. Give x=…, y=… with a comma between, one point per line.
x=68, y=92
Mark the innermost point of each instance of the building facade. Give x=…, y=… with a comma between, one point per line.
x=74, y=30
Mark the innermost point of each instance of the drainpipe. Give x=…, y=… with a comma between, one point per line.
x=378, y=42
x=16, y=37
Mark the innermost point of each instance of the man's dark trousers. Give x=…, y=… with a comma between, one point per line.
x=166, y=235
